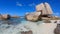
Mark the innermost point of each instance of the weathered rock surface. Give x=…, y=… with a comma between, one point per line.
x=4, y=17
x=27, y=32
x=45, y=7
x=42, y=10
x=33, y=16
x=57, y=29
x=48, y=8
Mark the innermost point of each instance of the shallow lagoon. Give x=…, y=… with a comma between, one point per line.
x=15, y=26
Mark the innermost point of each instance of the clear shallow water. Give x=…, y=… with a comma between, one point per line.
x=15, y=26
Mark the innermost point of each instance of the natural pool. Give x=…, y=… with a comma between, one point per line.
x=15, y=26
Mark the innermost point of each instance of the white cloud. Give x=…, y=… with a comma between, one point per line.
x=18, y=4
x=57, y=13
x=32, y=4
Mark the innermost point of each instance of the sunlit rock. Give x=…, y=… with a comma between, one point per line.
x=33, y=16
x=46, y=9
x=42, y=10
x=6, y=16
x=41, y=7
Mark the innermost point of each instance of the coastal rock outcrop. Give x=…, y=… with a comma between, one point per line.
x=33, y=16
x=45, y=7
x=42, y=10
x=5, y=17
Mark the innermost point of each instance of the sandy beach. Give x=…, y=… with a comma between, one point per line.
x=43, y=28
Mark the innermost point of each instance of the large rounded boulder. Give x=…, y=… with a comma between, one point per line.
x=6, y=16
x=35, y=16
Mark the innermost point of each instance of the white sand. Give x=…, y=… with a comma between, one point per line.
x=47, y=28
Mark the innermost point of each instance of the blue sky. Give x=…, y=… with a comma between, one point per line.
x=20, y=7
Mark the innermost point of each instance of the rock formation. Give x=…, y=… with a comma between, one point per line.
x=26, y=32
x=5, y=17
x=41, y=7
x=33, y=16
x=42, y=10
x=48, y=8
x=45, y=7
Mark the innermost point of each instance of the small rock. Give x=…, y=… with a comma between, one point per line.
x=55, y=22
x=27, y=32
x=57, y=29
x=47, y=21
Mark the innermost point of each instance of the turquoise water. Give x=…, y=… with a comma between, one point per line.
x=13, y=25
